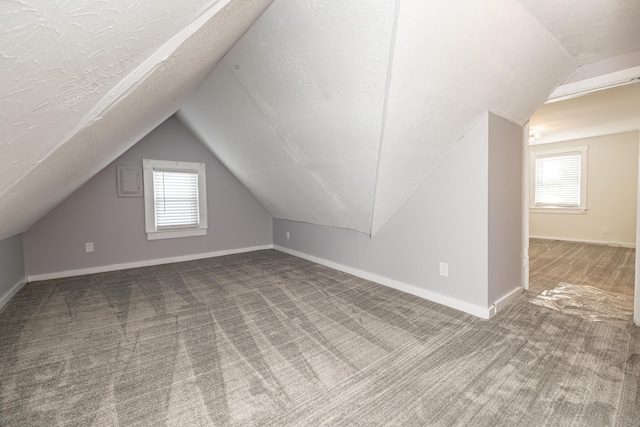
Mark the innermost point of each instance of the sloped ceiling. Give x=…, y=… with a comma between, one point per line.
x=295, y=109
x=590, y=30
x=604, y=112
x=334, y=113
x=474, y=57
x=84, y=81
x=330, y=112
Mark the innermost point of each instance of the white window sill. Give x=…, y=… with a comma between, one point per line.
x=174, y=234
x=555, y=210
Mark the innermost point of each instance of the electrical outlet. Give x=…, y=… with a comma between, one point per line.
x=444, y=269
x=288, y=235
x=88, y=247
x=605, y=230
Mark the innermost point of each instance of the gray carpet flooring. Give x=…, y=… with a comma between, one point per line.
x=609, y=268
x=269, y=339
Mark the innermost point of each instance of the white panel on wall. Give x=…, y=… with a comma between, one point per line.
x=129, y=181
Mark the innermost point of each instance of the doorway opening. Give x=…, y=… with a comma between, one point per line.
x=591, y=245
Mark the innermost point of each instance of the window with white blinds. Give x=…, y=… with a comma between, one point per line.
x=559, y=179
x=175, y=199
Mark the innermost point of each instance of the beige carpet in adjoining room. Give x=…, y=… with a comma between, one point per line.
x=265, y=338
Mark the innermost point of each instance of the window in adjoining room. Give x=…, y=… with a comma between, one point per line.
x=559, y=180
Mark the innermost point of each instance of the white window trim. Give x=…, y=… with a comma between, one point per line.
x=148, y=166
x=582, y=209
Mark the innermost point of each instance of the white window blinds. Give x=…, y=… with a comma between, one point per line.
x=557, y=180
x=175, y=199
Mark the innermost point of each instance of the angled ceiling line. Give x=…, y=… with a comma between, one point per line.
x=188, y=122
x=130, y=82
x=292, y=147
x=392, y=45
x=147, y=105
x=594, y=84
x=270, y=118
x=442, y=159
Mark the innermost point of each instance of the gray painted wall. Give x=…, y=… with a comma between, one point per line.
x=94, y=213
x=446, y=220
x=505, y=206
x=12, y=271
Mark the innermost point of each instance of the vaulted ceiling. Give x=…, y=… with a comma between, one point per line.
x=330, y=112
x=82, y=81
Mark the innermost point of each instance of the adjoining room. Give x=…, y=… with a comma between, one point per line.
x=583, y=202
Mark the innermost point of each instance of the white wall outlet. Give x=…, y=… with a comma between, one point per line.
x=288, y=235
x=88, y=247
x=444, y=269
x=605, y=230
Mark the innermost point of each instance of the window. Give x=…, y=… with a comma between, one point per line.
x=175, y=199
x=559, y=180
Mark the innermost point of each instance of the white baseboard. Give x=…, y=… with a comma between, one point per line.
x=147, y=263
x=478, y=311
x=505, y=300
x=4, y=299
x=593, y=242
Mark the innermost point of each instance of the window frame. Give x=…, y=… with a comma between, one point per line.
x=582, y=208
x=153, y=233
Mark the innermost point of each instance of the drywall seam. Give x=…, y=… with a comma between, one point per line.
x=478, y=311
x=4, y=299
x=184, y=119
x=131, y=81
x=253, y=100
x=558, y=41
x=435, y=168
x=188, y=124
x=146, y=263
x=394, y=31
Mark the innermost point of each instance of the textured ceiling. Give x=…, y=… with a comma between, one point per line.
x=83, y=82
x=599, y=113
x=466, y=66
x=308, y=81
x=591, y=29
x=60, y=60
x=334, y=113
x=330, y=112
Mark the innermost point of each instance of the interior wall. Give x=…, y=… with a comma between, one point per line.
x=505, y=207
x=12, y=271
x=636, y=299
x=94, y=213
x=612, y=188
x=467, y=214
x=445, y=221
